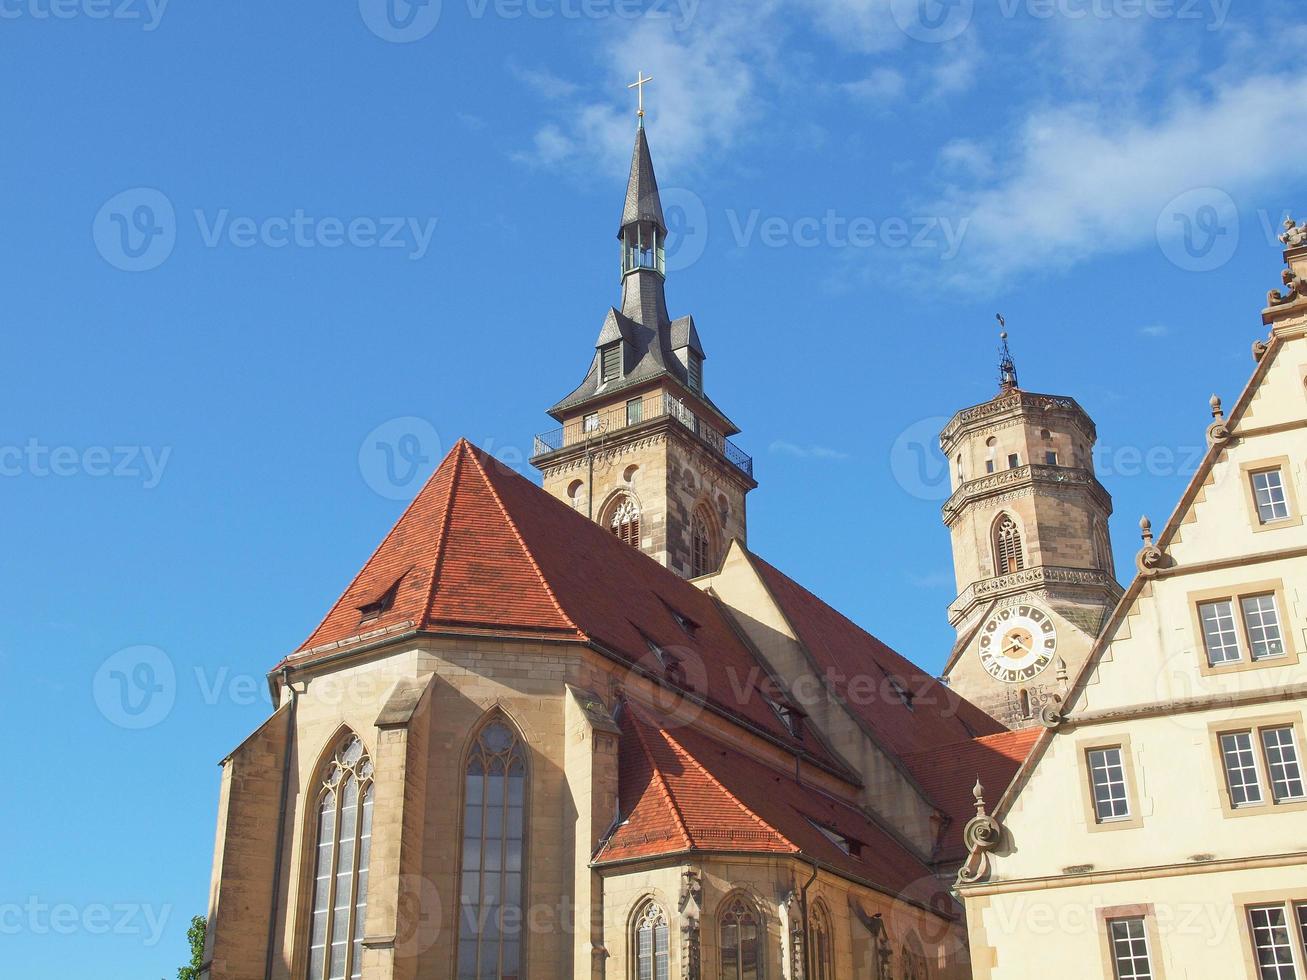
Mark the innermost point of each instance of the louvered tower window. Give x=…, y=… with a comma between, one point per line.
x=610, y=363
x=696, y=372
x=340, y=880
x=625, y=522
x=701, y=546
x=1008, y=556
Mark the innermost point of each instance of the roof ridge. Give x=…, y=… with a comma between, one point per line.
x=460, y=448
x=526, y=550
x=375, y=552
x=687, y=756
x=664, y=790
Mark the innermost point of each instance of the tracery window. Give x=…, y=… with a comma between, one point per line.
x=494, y=838
x=652, y=950
x=340, y=878
x=1008, y=556
x=625, y=521
x=701, y=546
x=741, y=941
x=823, y=944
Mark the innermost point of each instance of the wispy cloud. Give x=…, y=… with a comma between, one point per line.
x=1155, y=330
x=881, y=86
x=782, y=448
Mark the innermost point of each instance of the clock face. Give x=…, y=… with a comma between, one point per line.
x=1017, y=643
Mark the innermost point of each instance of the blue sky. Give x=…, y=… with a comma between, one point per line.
x=246, y=243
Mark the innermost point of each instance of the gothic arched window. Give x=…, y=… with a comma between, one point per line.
x=652, y=955
x=823, y=944
x=741, y=941
x=494, y=839
x=624, y=520
x=702, y=550
x=1008, y=556
x=340, y=877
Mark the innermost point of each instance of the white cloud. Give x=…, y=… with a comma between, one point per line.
x=1155, y=330
x=1082, y=183
x=882, y=85
x=782, y=448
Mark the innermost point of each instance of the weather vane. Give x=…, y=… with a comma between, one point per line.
x=1007, y=368
x=639, y=84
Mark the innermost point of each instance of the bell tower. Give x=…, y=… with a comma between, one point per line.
x=640, y=446
x=1031, y=551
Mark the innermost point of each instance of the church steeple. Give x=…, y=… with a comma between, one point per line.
x=642, y=448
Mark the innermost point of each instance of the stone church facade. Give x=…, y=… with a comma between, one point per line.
x=582, y=729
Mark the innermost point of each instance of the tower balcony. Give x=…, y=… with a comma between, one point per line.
x=595, y=427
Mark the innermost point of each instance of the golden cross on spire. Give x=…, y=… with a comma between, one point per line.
x=639, y=84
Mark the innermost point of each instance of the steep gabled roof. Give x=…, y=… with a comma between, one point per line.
x=484, y=550
x=681, y=790
x=642, y=202
x=948, y=773
x=849, y=656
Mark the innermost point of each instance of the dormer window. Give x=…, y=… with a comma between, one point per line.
x=901, y=692
x=695, y=372
x=847, y=844
x=372, y=611
x=610, y=363
x=790, y=716
x=688, y=625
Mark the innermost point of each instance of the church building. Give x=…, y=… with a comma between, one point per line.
x=583, y=730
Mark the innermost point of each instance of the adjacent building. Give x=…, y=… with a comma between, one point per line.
x=1159, y=827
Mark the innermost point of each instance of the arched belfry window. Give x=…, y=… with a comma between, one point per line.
x=741, y=941
x=823, y=944
x=340, y=877
x=1008, y=556
x=703, y=547
x=494, y=839
x=650, y=940
x=624, y=519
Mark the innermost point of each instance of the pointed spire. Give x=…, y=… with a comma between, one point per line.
x=1007, y=368
x=643, y=206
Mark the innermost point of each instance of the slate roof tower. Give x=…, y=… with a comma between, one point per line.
x=642, y=449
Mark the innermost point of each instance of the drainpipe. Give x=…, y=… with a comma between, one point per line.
x=807, y=924
x=281, y=823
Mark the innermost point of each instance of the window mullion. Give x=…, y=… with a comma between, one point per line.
x=350, y=951
x=336, y=796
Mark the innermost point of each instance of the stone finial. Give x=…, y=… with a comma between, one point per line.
x=978, y=792
x=1146, y=530
x=1150, y=558
x=1294, y=235
x=1217, y=412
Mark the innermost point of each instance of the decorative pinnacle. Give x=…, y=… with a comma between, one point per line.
x=639, y=84
x=978, y=792
x=1007, y=368
x=1146, y=530
x=1215, y=402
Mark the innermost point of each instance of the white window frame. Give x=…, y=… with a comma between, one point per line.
x=1131, y=922
x=1111, y=784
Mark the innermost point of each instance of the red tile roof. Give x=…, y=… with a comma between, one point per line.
x=860, y=668
x=483, y=549
x=680, y=790
x=948, y=772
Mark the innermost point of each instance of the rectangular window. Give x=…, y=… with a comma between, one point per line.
x=1219, y=632
x=1013, y=460
x=1050, y=458
x=1272, y=942
x=1129, y=940
x=634, y=411
x=989, y=466
x=1262, y=621
x=696, y=373
x=1107, y=778
x=610, y=363
x=1268, y=492
x=591, y=423
x=1241, y=769
x=1282, y=763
